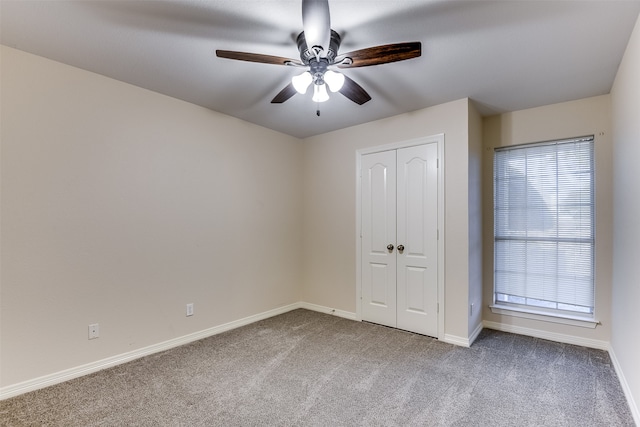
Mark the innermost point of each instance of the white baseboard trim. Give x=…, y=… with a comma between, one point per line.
x=551, y=336
x=475, y=333
x=456, y=340
x=322, y=309
x=635, y=411
x=68, y=374
x=462, y=341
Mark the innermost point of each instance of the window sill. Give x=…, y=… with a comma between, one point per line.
x=544, y=316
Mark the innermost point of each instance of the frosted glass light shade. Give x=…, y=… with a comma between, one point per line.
x=320, y=93
x=334, y=80
x=302, y=82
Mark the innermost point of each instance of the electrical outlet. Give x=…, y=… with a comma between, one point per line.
x=190, y=309
x=471, y=308
x=94, y=331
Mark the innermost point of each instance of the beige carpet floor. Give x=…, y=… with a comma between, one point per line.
x=304, y=368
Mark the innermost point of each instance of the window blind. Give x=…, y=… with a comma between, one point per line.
x=544, y=225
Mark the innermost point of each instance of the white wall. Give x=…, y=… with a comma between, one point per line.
x=330, y=200
x=591, y=116
x=120, y=205
x=625, y=99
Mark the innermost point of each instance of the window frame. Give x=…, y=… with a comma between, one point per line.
x=556, y=315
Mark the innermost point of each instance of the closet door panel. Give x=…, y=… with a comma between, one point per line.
x=417, y=239
x=378, y=232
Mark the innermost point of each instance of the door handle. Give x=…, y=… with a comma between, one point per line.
x=400, y=248
x=390, y=247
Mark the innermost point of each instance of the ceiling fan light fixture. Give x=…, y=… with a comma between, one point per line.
x=334, y=80
x=301, y=82
x=319, y=46
x=320, y=93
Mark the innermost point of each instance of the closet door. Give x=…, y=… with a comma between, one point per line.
x=378, y=210
x=417, y=239
x=399, y=238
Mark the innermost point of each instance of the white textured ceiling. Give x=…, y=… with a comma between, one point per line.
x=505, y=55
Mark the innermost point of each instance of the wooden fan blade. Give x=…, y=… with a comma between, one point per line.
x=284, y=94
x=380, y=55
x=354, y=91
x=257, y=57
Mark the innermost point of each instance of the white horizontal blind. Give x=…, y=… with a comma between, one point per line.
x=544, y=225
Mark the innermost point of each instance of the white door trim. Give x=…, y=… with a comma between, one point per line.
x=439, y=139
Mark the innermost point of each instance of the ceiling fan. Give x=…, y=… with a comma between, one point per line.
x=318, y=45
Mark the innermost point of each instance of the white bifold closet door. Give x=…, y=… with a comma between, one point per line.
x=400, y=238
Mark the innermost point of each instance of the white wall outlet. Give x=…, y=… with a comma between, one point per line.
x=471, y=306
x=94, y=331
x=190, y=309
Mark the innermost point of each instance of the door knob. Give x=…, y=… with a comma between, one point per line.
x=400, y=248
x=390, y=247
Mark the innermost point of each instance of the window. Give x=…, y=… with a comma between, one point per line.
x=544, y=227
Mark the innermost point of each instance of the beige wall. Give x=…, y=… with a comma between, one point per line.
x=330, y=201
x=625, y=99
x=475, y=218
x=120, y=205
x=589, y=116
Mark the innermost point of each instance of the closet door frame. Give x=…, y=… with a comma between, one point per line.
x=439, y=140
